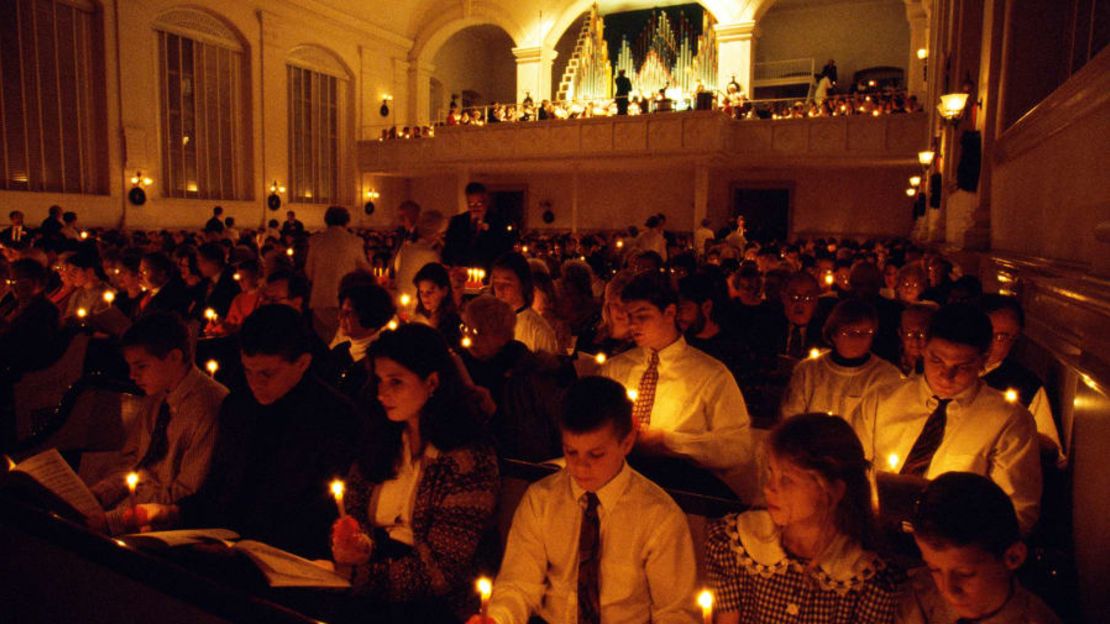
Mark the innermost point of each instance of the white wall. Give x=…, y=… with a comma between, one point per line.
x=856, y=33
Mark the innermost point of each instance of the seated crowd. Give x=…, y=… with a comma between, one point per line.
x=794, y=378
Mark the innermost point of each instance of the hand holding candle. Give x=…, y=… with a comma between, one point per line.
x=705, y=601
x=485, y=590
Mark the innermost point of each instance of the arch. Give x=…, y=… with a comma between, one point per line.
x=319, y=59
x=724, y=11
x=446, y=23
x=202, y=25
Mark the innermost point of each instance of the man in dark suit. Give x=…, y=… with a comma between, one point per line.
x=623, y=88
x=221, y=285
x=16, y=235
x=164, y=289
x=477, y=237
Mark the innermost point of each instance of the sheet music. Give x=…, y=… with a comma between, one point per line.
x=53, y=473
x=284, y=569
x=184, y=537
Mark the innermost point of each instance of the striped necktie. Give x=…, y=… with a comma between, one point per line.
x=921, y=455
x=645, y=392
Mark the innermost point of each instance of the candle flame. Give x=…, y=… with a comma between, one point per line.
x=620, y=244
x=814, y=353
x=829, y=279
x=84, y=234
x=337, y=488
x=1011, y=395
x=289, y=252
x=212, y=366
x=705, y=600
x=392, y=324
x=524, y=249
x=236, y=276
x=210, y=314
x=892, y=460
x=11, y=462
x=132, y=481
x=405, y=300
x=600, y=358
x=633, y=395
x=466, y=342
x=484, y=586
x=82, y=312
x=109, y=296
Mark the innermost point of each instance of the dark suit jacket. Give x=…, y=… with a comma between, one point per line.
x=221, y=294
x=623, y=85
x=173, y=297
x=469, y=246
x=32, y=340
x=6, y=238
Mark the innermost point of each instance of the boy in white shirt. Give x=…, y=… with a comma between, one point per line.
x=597, y=541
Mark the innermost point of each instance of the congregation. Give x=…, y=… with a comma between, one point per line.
x=793, y=377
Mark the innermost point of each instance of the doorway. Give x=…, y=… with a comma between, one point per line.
x=766, y=210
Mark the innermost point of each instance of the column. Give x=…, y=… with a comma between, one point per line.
x=420, y=92
x=919, y=40
x=533, y=72
x=736, y=55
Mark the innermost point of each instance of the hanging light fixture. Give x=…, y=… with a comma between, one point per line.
x=952, y=106
x=926, y=158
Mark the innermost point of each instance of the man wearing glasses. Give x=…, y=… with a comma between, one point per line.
x=949, y=420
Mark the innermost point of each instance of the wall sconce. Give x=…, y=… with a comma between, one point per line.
x=952, y=105
x=922, y=54
x=926, y=158
x=384, y=110
x=911, y=192
x=137, y=195
x=273, y=202
x=915, y=181
x=371, y=197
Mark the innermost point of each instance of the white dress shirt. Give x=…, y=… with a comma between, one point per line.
x=535, y=332
x=392, y=502
x=332, y=254
x=698, y=407
x=821, y=385
x=648, y=572
x=983, y=434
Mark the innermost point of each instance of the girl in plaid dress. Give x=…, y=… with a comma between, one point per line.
x=806, y=558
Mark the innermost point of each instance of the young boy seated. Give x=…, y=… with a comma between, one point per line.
x=968, y=534
x=596, y=542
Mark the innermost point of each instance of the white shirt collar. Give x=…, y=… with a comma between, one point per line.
x=609, y=493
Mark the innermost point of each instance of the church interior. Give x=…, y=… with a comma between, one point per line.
x=976, y=131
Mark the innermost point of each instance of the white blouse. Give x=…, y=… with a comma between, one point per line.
x=392, y=503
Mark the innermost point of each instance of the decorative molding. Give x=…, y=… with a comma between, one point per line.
x=1087, y=92
x=200, y=26
x=740, y=31
x=319, y=60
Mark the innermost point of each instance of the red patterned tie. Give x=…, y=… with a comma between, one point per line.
x=589, y=563
x=645, y=393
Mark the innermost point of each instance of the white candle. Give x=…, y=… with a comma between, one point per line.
x=132, y=483
x=485, y=590
x=337, y=489
x=705, y=601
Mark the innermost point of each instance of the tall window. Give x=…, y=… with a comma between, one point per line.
x=205, y=135
x=50, y=97
x=313, y=136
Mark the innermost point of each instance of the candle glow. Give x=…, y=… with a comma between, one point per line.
x=289, y=252
x=210, y=314
x=212, y=366
x=405, y=300
x=337, y=488
x=484, y=586
x=705, y=601
x=633, y=395
x=600, y=358
x=392, y=324
x=1011, y=395
x=892, y=460
x=814, y=353
x=109, y=296
x=466, y=342
x=82, y=313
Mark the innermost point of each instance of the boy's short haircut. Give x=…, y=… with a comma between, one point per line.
x=593, y=401
x=159, y=333
x=372, y=304
x=274, y=329
x=966, y=509
x=651, y=287
x=998, y=303
x=963, y=324
x=297, y=283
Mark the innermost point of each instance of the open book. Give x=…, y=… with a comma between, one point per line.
x=281, y=568
x=55, y=485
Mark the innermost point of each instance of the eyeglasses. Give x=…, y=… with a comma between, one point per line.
x=913, y=335
x=801, y=298
x=855, y=333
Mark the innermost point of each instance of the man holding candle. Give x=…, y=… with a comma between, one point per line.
x=476, y=237
x=596, y=539
x=170, y=442
x=949, y=420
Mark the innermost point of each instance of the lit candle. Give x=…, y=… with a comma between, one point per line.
x=892, y=461
x=524, y=249
x=1011, y=395
x=705, y=601
x=466, y=342
x=481, y=275
x=485, y=590
x=289, y=252
x=392, y=324
x=210, y=314
x=405, y=300
x=829, y=279
x=132, y=483
x=212, y=366
x=620, y=244
x=633, y=395
x=82, y=313
x=600, y=358
x=814, y=353
x=84, y=234
x=337, y=489
x=236, y=276
x=109, y=297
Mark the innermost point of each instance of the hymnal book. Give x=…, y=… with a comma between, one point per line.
x=281, y=568
x=55, y=484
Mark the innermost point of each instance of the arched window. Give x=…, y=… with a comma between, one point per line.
x=203, y=84
x=317, y=87
x=51, y=97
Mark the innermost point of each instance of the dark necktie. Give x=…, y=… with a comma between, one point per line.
x=159, y=440
x=645, y=393
x=796, y=340
x=921, y=455
x=589, y=564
